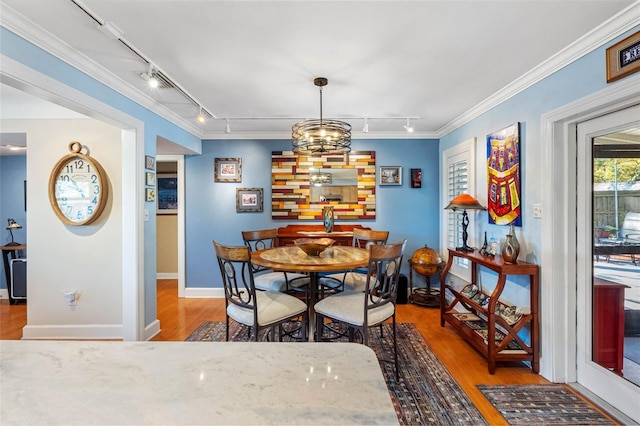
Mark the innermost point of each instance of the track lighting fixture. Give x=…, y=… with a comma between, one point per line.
x=365, y=129
x=150, y=77
x=200, y=117
x=227, y=129
x=407, y=126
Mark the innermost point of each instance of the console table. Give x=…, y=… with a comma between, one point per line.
x=342, y=233
x=490, y=333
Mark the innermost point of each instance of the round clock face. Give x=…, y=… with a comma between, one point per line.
x=78, y=188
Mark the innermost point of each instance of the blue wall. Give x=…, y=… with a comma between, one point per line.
x=406, y=212
x=13, y=173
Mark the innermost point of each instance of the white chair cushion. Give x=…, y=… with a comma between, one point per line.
x=348, y=307
x=276, y=281
x=353, y=281
x=273, y=306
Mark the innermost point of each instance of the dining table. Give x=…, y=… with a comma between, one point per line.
x=293, y=259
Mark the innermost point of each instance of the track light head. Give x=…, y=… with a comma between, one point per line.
x=200, y=117
x=407, y=126
x=365, y=129
x=227, y=129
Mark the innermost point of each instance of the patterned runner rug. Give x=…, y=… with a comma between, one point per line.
x=541, y=405
x=426, y=392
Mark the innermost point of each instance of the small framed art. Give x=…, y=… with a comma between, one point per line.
x=149, y=162
x=150, y=179
x=416, y=178
x=228, y=169
x=390, y=175
x=167, y=193
x=151, y=194
x=249, y=200
x=623, y=58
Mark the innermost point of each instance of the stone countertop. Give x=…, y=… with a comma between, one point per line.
x=171, y=383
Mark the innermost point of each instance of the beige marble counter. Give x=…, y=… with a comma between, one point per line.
x=189, y=383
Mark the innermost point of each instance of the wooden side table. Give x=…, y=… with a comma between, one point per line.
x=10, y=252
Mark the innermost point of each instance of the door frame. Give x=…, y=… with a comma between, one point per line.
x=179, y=160
x=22, y=77
x=558, y=257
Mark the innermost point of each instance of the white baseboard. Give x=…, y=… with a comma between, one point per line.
x=151, y=330
x=203, y=293
x=167, y=276
x=73, y=332
x=4, y=293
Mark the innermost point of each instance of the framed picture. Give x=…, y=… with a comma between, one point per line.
x=416, y=178
x=151, y=194
x=390, y=175
x=623, y=58
x=249, y=200
x=503, y=176
x=167, y=193
x=149, y=162
x=150, y=179
x=228, y=169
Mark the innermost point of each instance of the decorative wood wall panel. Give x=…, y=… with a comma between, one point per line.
x=290, y=186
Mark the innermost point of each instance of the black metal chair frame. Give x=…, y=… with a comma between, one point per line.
x=237, y=269
x=383, y=274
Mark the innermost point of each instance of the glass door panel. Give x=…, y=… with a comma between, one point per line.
x=608, y=270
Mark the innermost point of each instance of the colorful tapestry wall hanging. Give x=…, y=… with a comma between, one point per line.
x=503, y=176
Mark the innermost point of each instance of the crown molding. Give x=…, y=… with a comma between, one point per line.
x=608, y=30
x=33, y=33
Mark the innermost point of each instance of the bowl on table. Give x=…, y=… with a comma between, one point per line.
x=313, y=246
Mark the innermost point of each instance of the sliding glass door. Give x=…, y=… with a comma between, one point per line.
x=608, y=261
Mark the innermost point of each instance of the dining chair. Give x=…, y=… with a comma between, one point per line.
x=355, y=279
x=268, y=279
x=358, y=310
x=256, y=309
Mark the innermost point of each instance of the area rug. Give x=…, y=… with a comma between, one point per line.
x=541, y=405
x=426, y=392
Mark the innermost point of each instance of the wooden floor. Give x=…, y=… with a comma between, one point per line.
x=180, y=317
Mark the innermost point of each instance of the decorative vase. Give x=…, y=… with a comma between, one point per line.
x=511, y=247
x=327, y=216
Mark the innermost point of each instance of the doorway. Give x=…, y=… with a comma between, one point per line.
x=170, y=235
x=608, y=273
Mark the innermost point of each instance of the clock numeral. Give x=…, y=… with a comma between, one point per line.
x=64, y=178
x=89, y=210
x=69, y=211
x=79, y=215
x=95, y=200
x=63, y=201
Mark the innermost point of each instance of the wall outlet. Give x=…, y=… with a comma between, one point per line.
x=537, y=211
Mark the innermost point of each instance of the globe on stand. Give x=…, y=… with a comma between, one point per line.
x=426, y=262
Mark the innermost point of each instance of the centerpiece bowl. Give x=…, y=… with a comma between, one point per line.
x=313, y=246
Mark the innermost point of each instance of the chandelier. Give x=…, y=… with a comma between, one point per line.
x=321, y=136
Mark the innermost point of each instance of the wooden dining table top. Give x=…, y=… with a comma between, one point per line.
x=292, y=258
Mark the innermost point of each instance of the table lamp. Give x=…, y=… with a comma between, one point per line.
x=11, y=226
x=464, y=202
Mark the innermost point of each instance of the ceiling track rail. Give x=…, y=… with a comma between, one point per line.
x=168, y=82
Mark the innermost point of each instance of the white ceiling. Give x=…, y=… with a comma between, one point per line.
x=254, y=61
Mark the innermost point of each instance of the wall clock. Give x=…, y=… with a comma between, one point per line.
x=78, y=187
